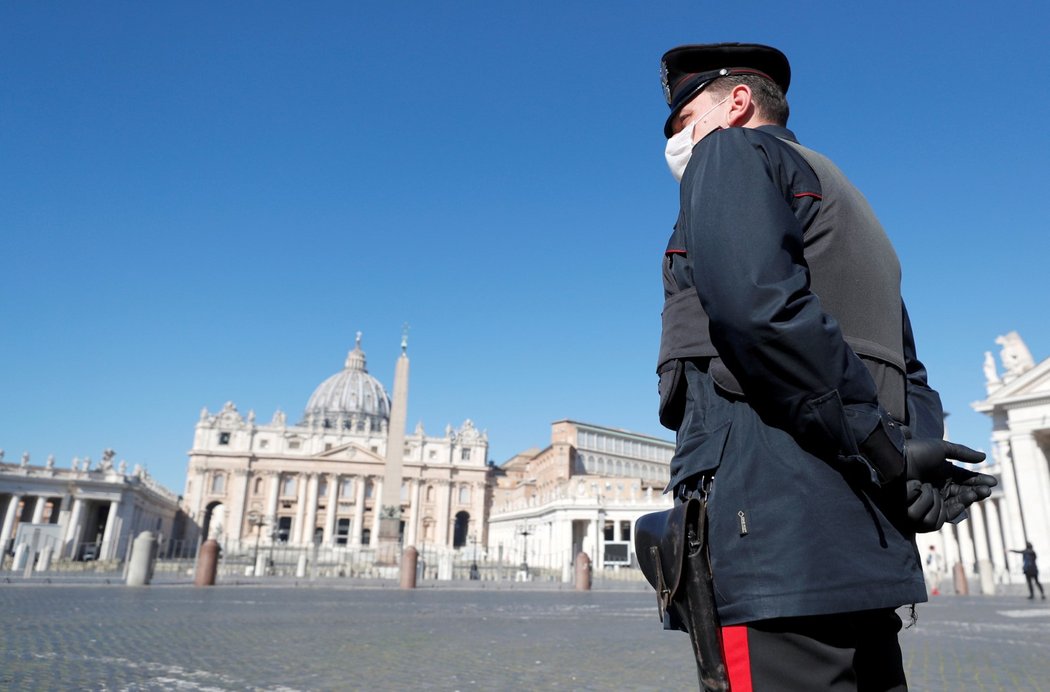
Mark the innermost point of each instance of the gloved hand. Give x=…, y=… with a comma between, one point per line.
x=963, y=488
x=926, y=458
x=929, y=506
x=926, y=507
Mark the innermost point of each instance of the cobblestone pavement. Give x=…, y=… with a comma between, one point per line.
x=67, y=637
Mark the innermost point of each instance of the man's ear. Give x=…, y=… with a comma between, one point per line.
x=741, y=107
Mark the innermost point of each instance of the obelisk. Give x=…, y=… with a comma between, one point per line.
x=390, y=516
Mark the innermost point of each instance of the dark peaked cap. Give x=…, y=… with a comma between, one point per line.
x=686, y=70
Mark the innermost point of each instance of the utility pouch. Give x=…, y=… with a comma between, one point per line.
x=672, y=552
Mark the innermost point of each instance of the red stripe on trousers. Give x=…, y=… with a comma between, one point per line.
x=737, y=657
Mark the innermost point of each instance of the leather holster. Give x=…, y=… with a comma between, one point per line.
x=672, y=552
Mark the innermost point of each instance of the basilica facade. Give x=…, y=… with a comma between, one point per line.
x=320, y=481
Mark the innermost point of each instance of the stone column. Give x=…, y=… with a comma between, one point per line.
x=10, y=516
x=331, y=507
x=310, y=526
x=995, y=537
x=966, y=552
x=73, y=528
x=239, y=495
x=1034, y=489
x=271, y=503
x=444, y=492
x=980, y=543
x=112, y=532
x=38, y=509
x=300, y=510
x=1011, y=515
x=359, y=511
x=377, y=510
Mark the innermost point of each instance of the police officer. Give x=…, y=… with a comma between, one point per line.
x=788, y=371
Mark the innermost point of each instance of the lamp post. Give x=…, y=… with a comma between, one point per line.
x=525, y=533
x=474, y=573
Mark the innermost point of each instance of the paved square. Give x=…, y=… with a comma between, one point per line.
x=380, y=638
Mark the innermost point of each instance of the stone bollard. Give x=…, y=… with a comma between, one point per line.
x=260, y=566
x=21, y=553
x=300, y=566
x=43, y=564
x=143, y=557
x=409, y=559
x=583, y=572
x=962, y=588
x=207, y=563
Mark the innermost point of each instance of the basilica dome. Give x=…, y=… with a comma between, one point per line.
x=349, y=400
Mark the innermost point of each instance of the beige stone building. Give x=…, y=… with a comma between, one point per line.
x=320, y=481
x=583, y=492
x=86, y=512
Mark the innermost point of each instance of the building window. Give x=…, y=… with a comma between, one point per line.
x=404, y=491
x=366, y=536
x=430, y=493
x=293, y=444
x=288, y=486
x=218, y=483
x=263, y=444
x=464, y=494
x=346, y=488
x=224, y=438
x=258, y=486
x=342, y=531
x=322, y=487
x=369, y=486
x=284, y=527
x=464, y=454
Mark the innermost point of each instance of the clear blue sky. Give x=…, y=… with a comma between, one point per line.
x=202, y=202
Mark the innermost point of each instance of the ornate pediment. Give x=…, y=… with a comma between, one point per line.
x=349, y=452
x=1031, y=385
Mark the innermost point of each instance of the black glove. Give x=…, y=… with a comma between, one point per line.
x=926, y=507
x=963, y=488
x=926, y=458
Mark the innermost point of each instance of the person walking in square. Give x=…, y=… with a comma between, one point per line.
x=1031, y=570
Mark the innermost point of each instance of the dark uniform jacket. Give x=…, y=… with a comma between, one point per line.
x=785, y=344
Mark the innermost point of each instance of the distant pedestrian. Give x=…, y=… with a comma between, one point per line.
x=1031, y=571
x=934, y=570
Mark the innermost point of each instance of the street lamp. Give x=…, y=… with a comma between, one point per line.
x=525, y=533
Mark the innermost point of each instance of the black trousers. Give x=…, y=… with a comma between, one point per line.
x=1030, y=579
x=855, y=652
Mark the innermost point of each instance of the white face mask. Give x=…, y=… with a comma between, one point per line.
x=680, y=146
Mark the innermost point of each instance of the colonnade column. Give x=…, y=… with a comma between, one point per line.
x=995, y=536
x=73, y=529
x=359, y=510
x=9, y=520
x=413, y=512
x=444, y=491
x=331, y=507
x=985, y=571
x=300, y=509
x=1030, y=465
x=235, y=520
x=271, y=503
x=377, y=509
x=310, y=525
x=112, y=532
x=38, y=509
